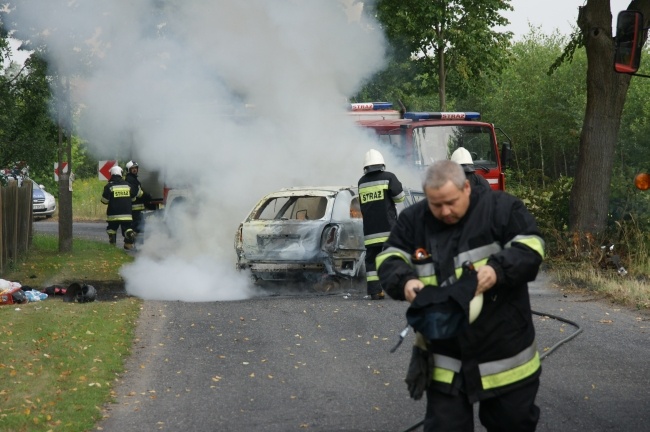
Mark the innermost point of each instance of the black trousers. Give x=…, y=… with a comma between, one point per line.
x=514, y=411
x=114, y=225
x=138, y=221
x=372, y=281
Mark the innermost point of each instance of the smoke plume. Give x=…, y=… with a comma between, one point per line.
x=230, y=99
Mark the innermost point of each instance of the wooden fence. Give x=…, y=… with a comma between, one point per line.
x=15, y=220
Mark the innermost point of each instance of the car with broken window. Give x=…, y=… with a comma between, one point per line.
x=311, y=235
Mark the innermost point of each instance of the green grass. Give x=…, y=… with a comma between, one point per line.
x=44, y=265
x=59, y=360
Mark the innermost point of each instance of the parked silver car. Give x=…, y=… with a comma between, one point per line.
x=312, y=235
x=43, y=202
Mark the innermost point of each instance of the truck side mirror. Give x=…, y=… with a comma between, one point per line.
x=506, y=152
x=628, y=41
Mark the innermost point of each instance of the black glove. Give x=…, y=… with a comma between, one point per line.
x=419, y=373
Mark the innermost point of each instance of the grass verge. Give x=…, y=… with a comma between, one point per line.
x=630, y=291
x=59, y=360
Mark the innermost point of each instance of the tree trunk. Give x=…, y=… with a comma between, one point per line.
x=541, y=158
x=606, y=91
x=442, y=77
x=65, y=149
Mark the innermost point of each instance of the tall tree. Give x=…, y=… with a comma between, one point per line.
x=451, y=35
x=541, y=114
x=61, y=47
x=606, y=93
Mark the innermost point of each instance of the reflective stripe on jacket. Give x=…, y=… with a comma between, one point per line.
x=118, y=195
x=498, y=350
x=379, y=191
x=132, y=179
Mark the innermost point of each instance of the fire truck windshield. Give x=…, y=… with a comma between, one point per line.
x=431, y=143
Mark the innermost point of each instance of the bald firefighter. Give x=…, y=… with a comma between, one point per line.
x=456, y=245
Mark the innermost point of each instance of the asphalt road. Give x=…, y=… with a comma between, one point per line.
x=86, y=230
x=322, y=363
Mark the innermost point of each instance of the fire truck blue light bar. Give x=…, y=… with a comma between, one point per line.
x=442, y=115
x=366, y=106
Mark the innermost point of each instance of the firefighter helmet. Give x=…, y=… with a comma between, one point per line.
x=475, y=307
x=373, y=161
x=131, y=164
x=462, y=157
x=116, y=170
x=80, y=293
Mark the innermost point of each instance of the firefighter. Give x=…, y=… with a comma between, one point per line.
x=462, y=157
x=118, y=195
x=141, y=198
x=379, y=191
x=493, y=360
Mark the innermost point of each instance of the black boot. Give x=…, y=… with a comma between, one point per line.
x=112, y=239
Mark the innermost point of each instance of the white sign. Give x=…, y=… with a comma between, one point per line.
x=56, y=170
x=105, y=168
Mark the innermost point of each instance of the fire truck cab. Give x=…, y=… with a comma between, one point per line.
x=420, y=138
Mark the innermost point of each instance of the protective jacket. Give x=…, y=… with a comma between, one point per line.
x=497, y=352
x=379, y=191
x=477, y=182
x=141, y=196
x=119, y=196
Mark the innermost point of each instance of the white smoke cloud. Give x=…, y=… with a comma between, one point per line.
x=162, y=79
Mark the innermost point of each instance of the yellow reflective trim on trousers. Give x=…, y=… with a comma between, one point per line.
x=372, y=278
x=534, y=242
x=443, y=375
x=513, y=375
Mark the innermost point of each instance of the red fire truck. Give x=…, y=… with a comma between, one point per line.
x=420, y=138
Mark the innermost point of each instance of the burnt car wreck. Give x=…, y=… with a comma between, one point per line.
x=308, y=235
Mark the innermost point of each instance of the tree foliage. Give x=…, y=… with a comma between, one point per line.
x=453, y=39
x=541, y=114
x=27, y=132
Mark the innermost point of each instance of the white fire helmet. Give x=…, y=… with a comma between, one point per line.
x=475, y=307
x=462, y=157
x=131, y=164
x=116, y=170
x=373, y=161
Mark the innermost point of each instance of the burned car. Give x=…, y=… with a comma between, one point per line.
x=311, y=235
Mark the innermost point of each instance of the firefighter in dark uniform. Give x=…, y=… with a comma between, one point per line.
x=379, y=191
x=141, y=197
x=118, y=195
x=493, y=360
x=463, y=157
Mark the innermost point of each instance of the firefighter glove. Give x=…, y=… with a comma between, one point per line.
x=419, y=373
